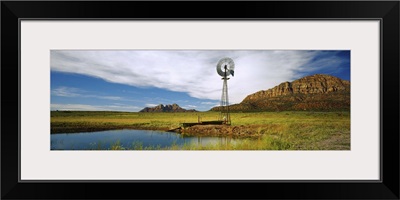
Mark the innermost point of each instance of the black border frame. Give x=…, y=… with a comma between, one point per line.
x=386, y=11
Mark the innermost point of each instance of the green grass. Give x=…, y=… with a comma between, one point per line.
x=92, y=121
x=291, y=130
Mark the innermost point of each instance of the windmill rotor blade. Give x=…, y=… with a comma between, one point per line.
x=219, y=70
x=230, y=66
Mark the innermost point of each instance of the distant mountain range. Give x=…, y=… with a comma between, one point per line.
x=315, y=92
x=166, y=108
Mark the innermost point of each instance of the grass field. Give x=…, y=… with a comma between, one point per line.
x=288, y=130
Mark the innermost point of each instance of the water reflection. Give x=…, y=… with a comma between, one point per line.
x=129, y=139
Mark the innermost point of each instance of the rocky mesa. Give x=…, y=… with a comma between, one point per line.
x=166, y=108
x=317, y=92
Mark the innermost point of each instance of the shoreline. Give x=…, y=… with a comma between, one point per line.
x=57, y=130
x=197, y=130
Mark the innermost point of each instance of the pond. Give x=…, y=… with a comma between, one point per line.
x=103, y=140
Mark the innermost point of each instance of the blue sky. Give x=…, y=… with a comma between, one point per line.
x=131, y=80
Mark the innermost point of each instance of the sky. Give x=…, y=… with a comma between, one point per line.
x=116, y=80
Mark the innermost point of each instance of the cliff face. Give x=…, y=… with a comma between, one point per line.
x=166, y=108
x=316, y=92
x=315, y=84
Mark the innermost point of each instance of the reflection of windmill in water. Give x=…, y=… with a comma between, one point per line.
x=225, y=68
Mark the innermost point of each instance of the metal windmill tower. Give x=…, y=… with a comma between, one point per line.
x=225, y=68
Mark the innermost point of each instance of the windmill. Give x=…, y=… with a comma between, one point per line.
x=225, y=68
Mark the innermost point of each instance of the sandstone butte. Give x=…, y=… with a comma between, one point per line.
x=317, y=92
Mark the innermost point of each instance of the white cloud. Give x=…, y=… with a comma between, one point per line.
x=208, y=103
x=76, y=92
x=192, y=72
x=106, y=97
x=85, y=107
x=65, y=92
x=189, y=107
x=151, y=105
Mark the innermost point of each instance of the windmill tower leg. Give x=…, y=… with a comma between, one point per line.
x=225, y=115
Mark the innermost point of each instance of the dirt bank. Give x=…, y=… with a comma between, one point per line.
x=221, y=130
